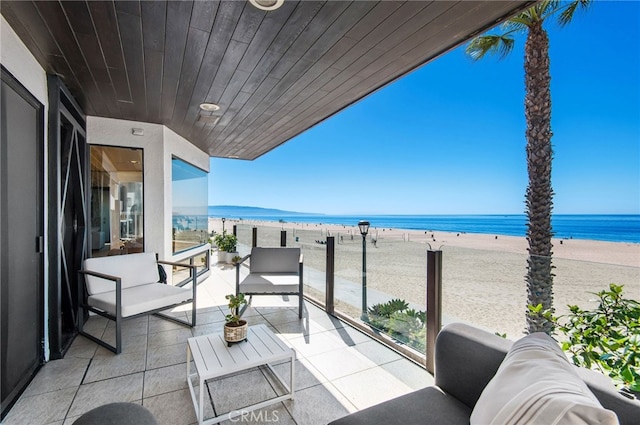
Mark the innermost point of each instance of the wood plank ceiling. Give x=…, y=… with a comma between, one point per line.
x=274, y=74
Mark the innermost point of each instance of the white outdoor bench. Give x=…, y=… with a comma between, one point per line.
x=123, y=287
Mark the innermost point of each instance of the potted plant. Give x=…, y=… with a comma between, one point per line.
x=226, y=243
x=218, y=240
x=235, y=328
x=231, y=247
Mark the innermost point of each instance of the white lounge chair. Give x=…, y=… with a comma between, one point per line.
x=273, y=271
x=123, y=287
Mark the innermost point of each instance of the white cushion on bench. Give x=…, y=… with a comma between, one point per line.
x=141, y=298
x=132, y=269
x=266, y=283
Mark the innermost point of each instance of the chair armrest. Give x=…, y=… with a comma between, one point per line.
x=100, y=275
x=466, y=359
x=245, y=258
x=172, y=263
x=118, y=290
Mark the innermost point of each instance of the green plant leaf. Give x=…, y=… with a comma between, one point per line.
x=606, y=338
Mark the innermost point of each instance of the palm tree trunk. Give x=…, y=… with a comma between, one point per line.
x=539, y=194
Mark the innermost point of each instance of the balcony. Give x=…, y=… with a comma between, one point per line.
x=338, y=370
x=483, y=276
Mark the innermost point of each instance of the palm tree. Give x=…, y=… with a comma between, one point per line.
x=537, y=106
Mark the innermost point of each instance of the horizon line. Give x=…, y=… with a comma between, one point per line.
x=423, y=214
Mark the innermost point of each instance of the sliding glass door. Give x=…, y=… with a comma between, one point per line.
x=21, y=238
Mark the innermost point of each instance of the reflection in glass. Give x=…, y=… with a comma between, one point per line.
x=190, y=197
x=117, y=208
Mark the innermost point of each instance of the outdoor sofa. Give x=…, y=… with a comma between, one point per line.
x=123, y=287
x=467, y=359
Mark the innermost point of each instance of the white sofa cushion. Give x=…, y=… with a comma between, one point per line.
x=141, y=298
x=536, y=384
x=266, y=283
x=132, y=269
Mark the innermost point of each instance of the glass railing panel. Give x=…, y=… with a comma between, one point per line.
x=201, y=262
x=395, y=281
x=245, y=238
x=182, y=275
x=268, y=236
x=348, y=276
x=576, y=282
x=314, y=254
x=487, y=288
x=484, y=288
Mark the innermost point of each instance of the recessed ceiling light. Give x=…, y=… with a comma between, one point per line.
x=209, y=107
x=233, y=157
x=267, y=4
x=133, y=161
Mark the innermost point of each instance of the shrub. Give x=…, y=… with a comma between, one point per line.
x=226, y=241
x=606, y=339
x=396, y=319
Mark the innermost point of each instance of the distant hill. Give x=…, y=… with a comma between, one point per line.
x=243, y=211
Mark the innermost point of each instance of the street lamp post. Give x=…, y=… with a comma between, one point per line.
x=223, y=220
x=364, y=229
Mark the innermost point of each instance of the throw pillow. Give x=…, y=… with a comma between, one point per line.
x=536, y=384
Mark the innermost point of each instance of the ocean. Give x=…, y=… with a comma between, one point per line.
x=612, y=228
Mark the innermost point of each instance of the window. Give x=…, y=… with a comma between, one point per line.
x=117, y=207
x=189, y=213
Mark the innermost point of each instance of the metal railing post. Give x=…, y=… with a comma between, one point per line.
x=363, y=315
x=283, y=238
x=254, y=237
x=330, y=269
x=434, y=304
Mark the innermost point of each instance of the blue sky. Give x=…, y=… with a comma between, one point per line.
x=449, y=137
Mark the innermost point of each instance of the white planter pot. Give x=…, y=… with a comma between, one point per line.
x=229, y=256
x=222, y=257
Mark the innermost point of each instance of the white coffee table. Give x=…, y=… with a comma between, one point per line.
x=214, y=359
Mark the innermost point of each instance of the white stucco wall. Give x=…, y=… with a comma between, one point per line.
x=159, y=144
x=17, y=59
x=112, y=132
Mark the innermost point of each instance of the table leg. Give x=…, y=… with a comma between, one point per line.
x=291, y=382
x=188, y=363
x=201, y=405
x=198, y=409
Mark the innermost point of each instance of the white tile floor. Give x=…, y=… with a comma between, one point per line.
x=339, y=370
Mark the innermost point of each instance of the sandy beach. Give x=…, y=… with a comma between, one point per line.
x=483, y=274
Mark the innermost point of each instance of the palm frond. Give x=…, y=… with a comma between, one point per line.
x=567, y=14
x=518, y=23
x=492, y=44
x=545, y=9
x=503, y=44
